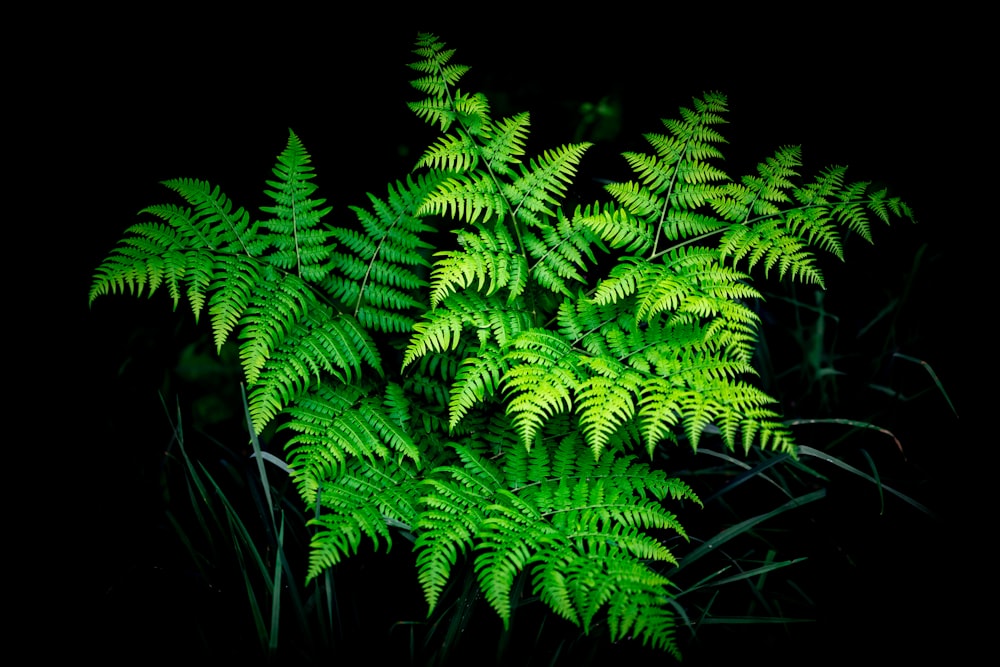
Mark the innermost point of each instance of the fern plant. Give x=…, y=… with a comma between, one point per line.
x=497, y=400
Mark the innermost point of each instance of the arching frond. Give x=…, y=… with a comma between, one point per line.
x=478, y=379
x=490, y=318
x=490, y=255
x=617, y=226
x=334, y=424
x=381, y=277
x=365, y=500
x=540, y=383
x=542, y=183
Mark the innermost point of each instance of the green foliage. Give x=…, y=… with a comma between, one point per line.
x=541, y=353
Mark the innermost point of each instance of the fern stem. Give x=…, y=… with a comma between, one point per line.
x=511, y=211
x=680, y=244
x=666, y=205
x=295, y=235
x=368, y=271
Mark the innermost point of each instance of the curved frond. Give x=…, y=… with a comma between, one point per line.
x=488, y=317
x=540, y=382
x=487, y=256
x=542, y=184
x=366, y=499
x=382, y=276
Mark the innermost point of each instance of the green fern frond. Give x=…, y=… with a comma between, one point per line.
x=489, y=317
x=622, y=282
x=182, y=251
x=476, y=472
x=781, y=236
x=232, y=291
x=637, y=200
x=495, y=145
x=298, y=244
x=457, y=500
x=506, y=537
x=455, y=153
x=503, y=143
x=214, y=223
x=440, y=331
x=644, y=615
x=885, y=207
x=152, y=256
x=578, y=527
x=445, y=104
x=490, y=255
x=275, y=309
x=541, y=381
x=380, y=279
x=472, y=111
x=470, y=198
x=365, y=500
x=334, y=424
x=560, y=252
x=542, y=184
x=677, y=178
x=770, y=242
x=761, y=195
x=446, y=530
x=441, y=77
x=477, y=380
x=616, y=226
x=289, y=337
x=604, y=404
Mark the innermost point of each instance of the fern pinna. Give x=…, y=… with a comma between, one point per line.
x=540, y=352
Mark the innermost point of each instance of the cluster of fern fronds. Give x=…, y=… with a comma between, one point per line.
x=545, y=353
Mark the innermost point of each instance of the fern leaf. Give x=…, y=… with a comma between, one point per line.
x=560, y=252
x=441, y=77
x=455, y=153
x=298, y=245
x=442, y=328
x=540, y=382
x=471, y=198
x=334, y=425
x=488, y=255
x=503, y=143
x=542, y=184
x=316, y=344
x=214, y=222
x=617, y=227
x=508, y=535
x=444, y=534
x=365, y=500
x=381, y=277
x=603, y=405
x=477, y=379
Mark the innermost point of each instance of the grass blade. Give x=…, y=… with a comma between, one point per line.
x=276, y=591
x=878, y=481
x=930, y=371
x=742, y=527
x=823, y=456
x=748, y=574
x=257, y=455
x=848, y=422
